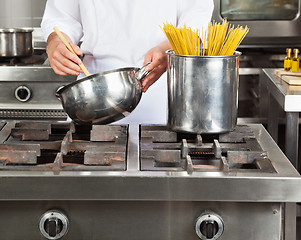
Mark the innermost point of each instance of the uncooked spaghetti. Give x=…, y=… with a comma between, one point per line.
x=221, y=39
x=183, y=40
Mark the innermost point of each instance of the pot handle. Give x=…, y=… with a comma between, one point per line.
x=141, y=73
x=57, y=92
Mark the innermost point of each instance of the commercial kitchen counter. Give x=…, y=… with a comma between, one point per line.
x=288, y=97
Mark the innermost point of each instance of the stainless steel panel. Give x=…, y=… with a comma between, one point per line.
x=260, y=9
x=276, y=32
x=288, y=96
x=292, y=137
x=290, y=221
x=249, y=71
x=40, y=82
x=94, y=220
x=133, y=151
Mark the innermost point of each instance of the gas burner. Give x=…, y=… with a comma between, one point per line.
x=239, y=150
x=45, y=146
x=65, y=147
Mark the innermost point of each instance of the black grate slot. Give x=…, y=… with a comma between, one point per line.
x=244, y=166
x=74, y=157
x=167, y=164
x=206, y=138
x=202, y=155
x=47, y=156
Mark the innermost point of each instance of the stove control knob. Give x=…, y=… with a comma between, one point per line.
x=54, y=225
x=22, y=93
x=209, y=226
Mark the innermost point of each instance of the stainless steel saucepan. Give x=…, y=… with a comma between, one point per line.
x=105, y=97
x=16, y=42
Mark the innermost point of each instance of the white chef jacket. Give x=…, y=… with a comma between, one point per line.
x=118, y=33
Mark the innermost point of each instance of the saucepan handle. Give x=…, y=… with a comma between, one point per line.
x=142, y=73
x=57, y=92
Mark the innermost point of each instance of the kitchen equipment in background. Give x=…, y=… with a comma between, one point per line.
x=292, y=78
x=27, y=91
x=296, y=61
x=271, y=22
x=288, y=60
x=283, y=98
x=105, y=97
x=16, y=42
x=264, y=46
x=66, y=180
x=28, y=85
x=202, y=93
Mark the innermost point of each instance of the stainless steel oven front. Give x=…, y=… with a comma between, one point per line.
x=271, y=22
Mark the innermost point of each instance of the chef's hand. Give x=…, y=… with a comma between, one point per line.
x=158, y=58
x=60, y=58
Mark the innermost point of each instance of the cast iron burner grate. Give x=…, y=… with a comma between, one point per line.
x=62, y=147
x=239, y=150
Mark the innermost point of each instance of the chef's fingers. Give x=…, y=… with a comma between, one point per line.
x=156, y=58
x=58, y=71
x=158, y=66
x=61, y=64
x=63, y=50
x=60, y=58
x=66, y=61
x=153, y=77
x=76, y=49
x=60, y=67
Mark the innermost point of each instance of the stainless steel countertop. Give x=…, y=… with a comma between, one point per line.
x=134, y=184
x=288, y=96
x=32, y=73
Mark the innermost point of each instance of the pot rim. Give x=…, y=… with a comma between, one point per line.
x=16, y=30
x=172, y=53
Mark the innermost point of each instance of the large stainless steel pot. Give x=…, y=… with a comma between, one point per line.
x=202, y=93
x=16, y=42
x=103, y=98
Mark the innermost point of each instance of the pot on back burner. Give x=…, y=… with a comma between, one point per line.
x=16, y=42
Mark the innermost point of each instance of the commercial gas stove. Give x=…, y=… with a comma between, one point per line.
x=60, y=180
x=27, y=90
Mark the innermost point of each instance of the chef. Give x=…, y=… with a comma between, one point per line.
x=121, y=33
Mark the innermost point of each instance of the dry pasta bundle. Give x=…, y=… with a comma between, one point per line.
x=221, y=39
x=183, y=40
